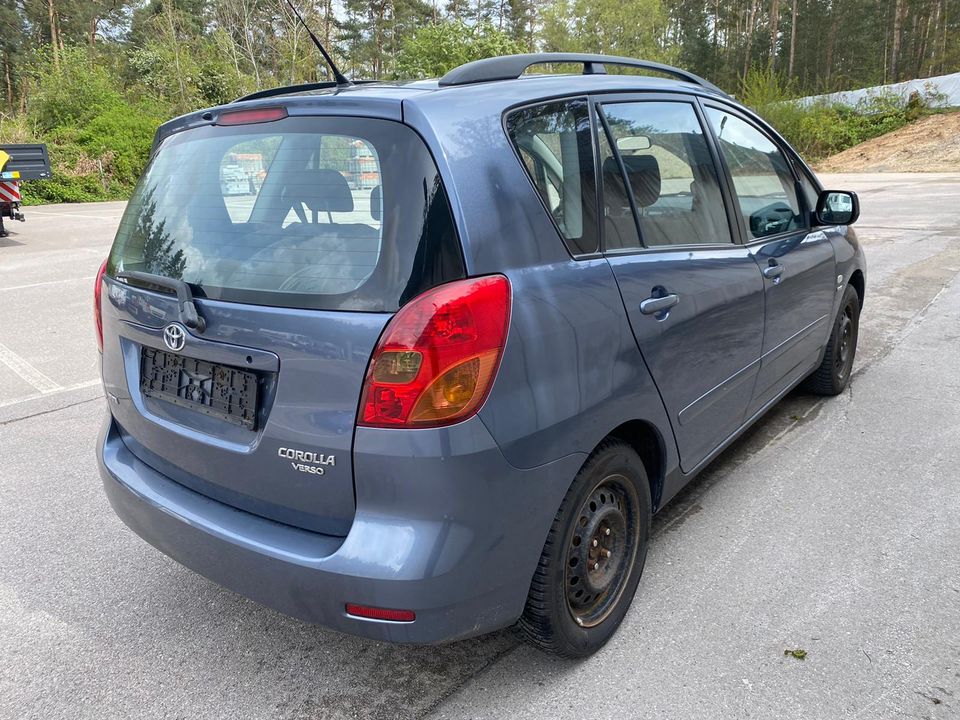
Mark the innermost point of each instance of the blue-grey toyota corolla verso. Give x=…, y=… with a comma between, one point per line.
x=420, y=361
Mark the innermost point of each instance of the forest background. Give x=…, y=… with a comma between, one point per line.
x=94, y=78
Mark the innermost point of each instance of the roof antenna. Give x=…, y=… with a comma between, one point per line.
x=342, y=80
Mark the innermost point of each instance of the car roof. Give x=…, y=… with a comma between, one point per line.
x=528, y=87
x=500, y=82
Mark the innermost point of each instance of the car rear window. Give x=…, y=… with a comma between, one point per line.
x=322, y=213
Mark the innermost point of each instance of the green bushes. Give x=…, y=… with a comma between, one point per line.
x=99, y=126
x=439, y=47
x=822, y=128
x=67, y=188
x=98, y=139
x=97, y=109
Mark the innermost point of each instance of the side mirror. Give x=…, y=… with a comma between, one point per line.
x=837, y=207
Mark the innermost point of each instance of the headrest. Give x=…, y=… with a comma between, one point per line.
x=643, y=171
x=320, y=190
x=376, y=203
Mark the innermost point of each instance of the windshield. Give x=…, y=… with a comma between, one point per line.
x=320, y=212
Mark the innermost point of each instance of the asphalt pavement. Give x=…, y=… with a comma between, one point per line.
x=832, y=528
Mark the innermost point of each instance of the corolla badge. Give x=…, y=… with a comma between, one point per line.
x=175, y=336
x=307, y=461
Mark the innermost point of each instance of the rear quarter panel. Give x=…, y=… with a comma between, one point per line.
x=571, y=370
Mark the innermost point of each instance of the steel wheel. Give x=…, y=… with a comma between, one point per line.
x=834, y=371
x=601, y=550
x=844, y=343
x=593, y=555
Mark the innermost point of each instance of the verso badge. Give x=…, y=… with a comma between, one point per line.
x=307, y=461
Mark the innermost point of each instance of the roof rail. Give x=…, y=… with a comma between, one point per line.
x=510, y=67
x=286, y=90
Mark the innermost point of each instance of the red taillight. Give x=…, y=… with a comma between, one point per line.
x=439, y=355
x=97, y=317
x=374, y=613
x=248, y=117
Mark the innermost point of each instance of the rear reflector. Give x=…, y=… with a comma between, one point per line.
x=248, y=117
x=372, y=613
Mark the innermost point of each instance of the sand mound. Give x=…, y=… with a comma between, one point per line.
x=931, y=144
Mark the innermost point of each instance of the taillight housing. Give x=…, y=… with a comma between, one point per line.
x=439, y=355
x=97, y=315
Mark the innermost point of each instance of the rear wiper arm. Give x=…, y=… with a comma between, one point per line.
x=189, y=315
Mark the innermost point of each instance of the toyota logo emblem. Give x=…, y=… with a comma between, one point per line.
x=175, y=336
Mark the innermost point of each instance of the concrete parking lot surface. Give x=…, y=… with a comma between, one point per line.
x=832, y=527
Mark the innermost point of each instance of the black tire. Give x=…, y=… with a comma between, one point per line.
x=832, y=376
x=597, y=545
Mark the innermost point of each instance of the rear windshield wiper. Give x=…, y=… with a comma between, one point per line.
x=189, y=315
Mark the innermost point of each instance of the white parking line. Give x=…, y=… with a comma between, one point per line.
x=48, y=282
x=58, y=391
x=27, y=371
x=73, y=215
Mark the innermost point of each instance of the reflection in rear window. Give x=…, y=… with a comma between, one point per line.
x=327, y=213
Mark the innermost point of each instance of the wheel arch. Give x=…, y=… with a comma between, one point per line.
x=858, y=283
x=645, y=438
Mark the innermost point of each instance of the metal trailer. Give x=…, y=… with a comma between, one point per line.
x=19, y=163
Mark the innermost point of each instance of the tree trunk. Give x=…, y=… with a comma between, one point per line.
x=716, y=23
x=943, y=40
x=6, y=72
x=327, y=24
x=54, y=35
x=774, y=31
x=922, y=45
x=751, y=26
x=378, y=32
x=293, y=53
x=895, y=50
x=171, y=28
x=831, y=46
x=793, y=38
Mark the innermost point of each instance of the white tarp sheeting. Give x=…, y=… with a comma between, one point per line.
x=945, y=85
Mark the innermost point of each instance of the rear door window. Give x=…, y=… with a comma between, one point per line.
x=323, y=213
x=555, y=143
x=673, y=181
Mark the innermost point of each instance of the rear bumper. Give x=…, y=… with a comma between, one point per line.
x=444, y=527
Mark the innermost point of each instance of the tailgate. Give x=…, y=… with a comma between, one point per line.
x=293, y=462
x=298, y=238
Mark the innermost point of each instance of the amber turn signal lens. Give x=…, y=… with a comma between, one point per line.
x=455, y=392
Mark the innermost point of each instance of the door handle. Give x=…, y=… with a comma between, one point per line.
x=773, y=271
x=655, y=305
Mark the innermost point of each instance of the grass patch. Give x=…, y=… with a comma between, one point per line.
x=98, y=138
